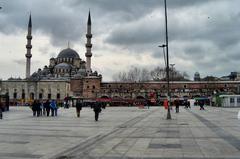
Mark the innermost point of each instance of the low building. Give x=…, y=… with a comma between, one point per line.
x=229, y=100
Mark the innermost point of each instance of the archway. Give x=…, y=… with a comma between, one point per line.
x=32, y=96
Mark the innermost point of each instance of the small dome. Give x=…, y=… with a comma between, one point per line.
x=62, y=66
x=68, y=53
x=197, y=73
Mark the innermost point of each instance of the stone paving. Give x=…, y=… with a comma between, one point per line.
x=121, y=132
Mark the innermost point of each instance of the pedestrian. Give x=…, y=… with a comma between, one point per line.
x=34, y=107
x=1, y=114
x=201, y=104
x=188, y=104
x=43, y=108
x=97, y=109
x=53, y=108
x=165, y=103
x=185, y=104
x=177, y=103
x=38, y=108
x=78, y=107
x=47, y=107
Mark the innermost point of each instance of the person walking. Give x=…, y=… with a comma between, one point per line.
x=97, y=109
x=177, y=103
x=34, y=107
x=53, y=107
x=188, y=104
x=43, y=108
x=1, y=114
x=38, y=108
x=79, y=105
x=201, y=104
x=47, y=107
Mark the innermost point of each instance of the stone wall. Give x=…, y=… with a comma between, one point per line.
x=28, y=90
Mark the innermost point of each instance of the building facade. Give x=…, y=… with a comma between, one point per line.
x=134, y=90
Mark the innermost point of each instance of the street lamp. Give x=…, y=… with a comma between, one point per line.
x=168, y=113
x=163, y=46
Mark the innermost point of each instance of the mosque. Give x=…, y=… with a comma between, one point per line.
x=53, y=81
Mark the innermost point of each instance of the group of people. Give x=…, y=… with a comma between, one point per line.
x=97, y=108
x=187, y=104
x=50, y=108
x=44, y=109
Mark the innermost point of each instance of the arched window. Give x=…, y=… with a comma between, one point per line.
x=32, y=96
x=15, y=95
x=58, y=95
x=23, y=95
x=49, y=95
x=40, y=95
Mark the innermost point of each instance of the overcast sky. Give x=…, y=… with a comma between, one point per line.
x=204, y=35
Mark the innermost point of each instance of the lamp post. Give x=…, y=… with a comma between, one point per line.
x=167, y=57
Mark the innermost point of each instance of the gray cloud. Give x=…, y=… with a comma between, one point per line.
x=20, y=61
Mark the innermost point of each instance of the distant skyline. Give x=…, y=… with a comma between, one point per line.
x=204, y=35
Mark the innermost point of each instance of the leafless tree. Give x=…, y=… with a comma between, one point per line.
x=158, y=73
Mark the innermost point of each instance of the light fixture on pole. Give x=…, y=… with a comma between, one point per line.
x=164, y=54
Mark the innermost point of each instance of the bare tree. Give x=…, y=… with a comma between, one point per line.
x=158, y=73
x=120, y=77
x=145, y=75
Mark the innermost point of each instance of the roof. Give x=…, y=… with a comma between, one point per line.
x=68, y=53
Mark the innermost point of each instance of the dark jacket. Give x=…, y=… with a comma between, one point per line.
x=47, y=105
x=97, y=108
x=79, y=106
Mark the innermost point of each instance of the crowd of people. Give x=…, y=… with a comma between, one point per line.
x=44, y=109
x=50, y=108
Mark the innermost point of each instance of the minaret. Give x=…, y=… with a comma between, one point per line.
x=29, y=47
x=88, y=44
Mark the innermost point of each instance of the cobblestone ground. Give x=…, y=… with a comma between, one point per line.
x=121, y=132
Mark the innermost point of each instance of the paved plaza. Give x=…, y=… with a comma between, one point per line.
x=121, y=132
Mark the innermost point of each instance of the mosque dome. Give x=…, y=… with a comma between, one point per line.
x=68, y=53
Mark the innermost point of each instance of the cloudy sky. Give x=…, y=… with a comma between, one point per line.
x=204, y=35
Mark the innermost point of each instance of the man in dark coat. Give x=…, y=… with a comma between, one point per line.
x=97, y=109
x=47, y=107
x=201, y=104
x=38, y=106
x=1, y=114
x=34, y=107
x=177, y=103
x=78, y=107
